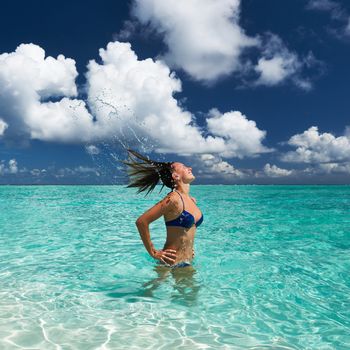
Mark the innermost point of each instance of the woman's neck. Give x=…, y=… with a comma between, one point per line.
x=183, y=188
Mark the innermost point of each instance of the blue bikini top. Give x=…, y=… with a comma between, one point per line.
x=185, y=219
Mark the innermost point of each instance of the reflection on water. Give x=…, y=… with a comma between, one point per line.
x=182, y=282
x=185, y=285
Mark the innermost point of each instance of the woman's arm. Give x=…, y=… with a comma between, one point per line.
x=143, y=228
x=152, y=214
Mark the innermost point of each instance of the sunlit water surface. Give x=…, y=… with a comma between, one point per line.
x=271, y=270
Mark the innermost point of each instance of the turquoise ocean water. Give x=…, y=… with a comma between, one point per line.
x=271, y=270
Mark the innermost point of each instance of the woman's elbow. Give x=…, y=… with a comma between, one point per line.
x=139, y=222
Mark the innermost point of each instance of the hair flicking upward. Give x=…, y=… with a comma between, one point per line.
x=145, y=174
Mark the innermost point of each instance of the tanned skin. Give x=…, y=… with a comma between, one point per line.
x=178, y=246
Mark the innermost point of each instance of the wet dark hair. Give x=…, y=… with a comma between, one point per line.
x=147, y=173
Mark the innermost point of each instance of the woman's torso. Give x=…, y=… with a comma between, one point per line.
x=178, y=237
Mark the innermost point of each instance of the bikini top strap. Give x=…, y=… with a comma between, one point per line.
x=181, y=199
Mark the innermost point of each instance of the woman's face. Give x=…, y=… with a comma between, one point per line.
x=182, y=172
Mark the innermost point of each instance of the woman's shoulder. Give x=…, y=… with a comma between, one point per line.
x=172, y=197
x=172, y=200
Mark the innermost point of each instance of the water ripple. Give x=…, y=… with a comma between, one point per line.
x=271, y=271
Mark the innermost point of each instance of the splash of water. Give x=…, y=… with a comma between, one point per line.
x=131, y=133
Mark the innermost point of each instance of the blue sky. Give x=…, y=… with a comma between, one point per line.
x=243, y=91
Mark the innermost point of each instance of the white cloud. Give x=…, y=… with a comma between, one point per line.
x=278, y=64
x=338, y=14
x=129, y=28
x=274, y=171
x=3, y=127
x=273, y=70
x=128, y=98
x=330, y=168
x=214, y=165
x=26, y=79
x=313, y=147
x=13, y=168
x=78, y=172
x=203, y=37
x=45, y=76
x=10, y=172
x=10, y=168
x=64, y=121
x=242, y=137
x=334, y=8
x=35, y=172
x=84, y=169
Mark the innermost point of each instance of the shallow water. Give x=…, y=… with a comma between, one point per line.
x=271, y=270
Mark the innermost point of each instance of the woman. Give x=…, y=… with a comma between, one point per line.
x=181, y=214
